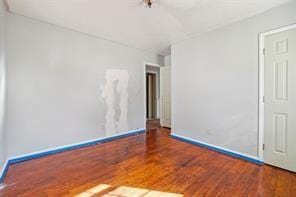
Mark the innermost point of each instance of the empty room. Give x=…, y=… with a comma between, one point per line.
x=147, y=98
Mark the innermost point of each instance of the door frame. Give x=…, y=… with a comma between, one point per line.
x=261, y=84
x=144, y=91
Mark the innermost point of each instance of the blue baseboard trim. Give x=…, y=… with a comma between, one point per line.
x=218, y=149
x=4, y=171
x=44, y=153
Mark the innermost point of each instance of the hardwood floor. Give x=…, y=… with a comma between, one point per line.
x=153, y=124
x=151, y=161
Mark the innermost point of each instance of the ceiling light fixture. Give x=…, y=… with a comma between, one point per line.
x=149, y=3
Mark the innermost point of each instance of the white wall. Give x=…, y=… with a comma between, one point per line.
x=2, y=87
x=55, y=82
x=168, y=60
x=215, y=82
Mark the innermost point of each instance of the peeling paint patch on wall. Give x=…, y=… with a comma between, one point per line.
x=115, y=94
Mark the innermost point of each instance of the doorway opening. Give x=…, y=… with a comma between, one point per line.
x=152, y=95
x=157, y=96
x=152, y=92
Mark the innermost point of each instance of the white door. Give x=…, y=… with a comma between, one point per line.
x=280, y=100
x=165, y=82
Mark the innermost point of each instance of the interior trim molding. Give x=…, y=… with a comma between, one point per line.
x=4, y=171
x=219, y=149
x=60, y=149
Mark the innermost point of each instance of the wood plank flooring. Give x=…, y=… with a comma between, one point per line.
x=151, y=161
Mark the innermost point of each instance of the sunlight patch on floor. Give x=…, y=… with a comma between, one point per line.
x=95, y=190
x=125, y=191
x=2, y=186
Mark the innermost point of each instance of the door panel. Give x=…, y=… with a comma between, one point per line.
x=280, y=129
x=281, y=77
x=280, y=100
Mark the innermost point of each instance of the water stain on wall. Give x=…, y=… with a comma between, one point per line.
x=115, y=94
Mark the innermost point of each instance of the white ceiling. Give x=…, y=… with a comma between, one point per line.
x=130, y=23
